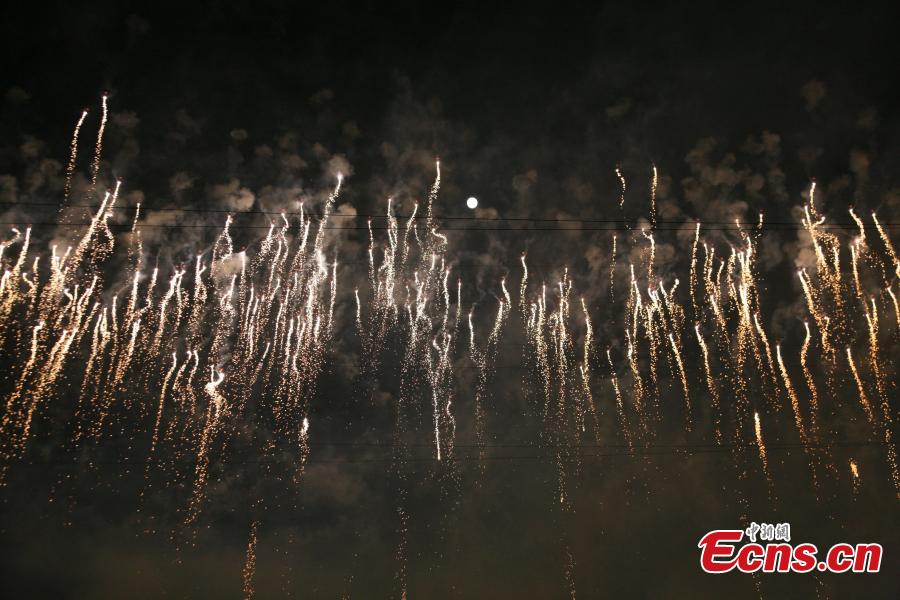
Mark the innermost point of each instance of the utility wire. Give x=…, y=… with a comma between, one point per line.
x=613, y=227
x=619, y=221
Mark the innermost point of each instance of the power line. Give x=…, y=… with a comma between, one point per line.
x=625, y=453
x=620, y=221
x=765, y=229
x=673, y=446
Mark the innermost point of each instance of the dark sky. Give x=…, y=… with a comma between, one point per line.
x=255, y=106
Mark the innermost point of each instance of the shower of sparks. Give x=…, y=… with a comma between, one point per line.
x=179, y=360
x=621, y=187
x=887, y=244
x=861, y=389
x=250, y=562
x=795, y=407
x=810, y=381
x=98, y=150
x=854, y=476
x=711, y=385
x=612, y=271
x=692, y=282
x=761, y=446
x=73, y=155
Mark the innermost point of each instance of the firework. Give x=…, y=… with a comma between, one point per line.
x=73, y=155
x=250, y=562
x=854, y=476
x=761, y=446
x=180, y=360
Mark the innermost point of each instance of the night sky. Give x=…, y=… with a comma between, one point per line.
x=250, y=109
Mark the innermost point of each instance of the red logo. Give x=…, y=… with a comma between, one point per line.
x=720, y=553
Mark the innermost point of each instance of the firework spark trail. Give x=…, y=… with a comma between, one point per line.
x=896, y=305
x=430, y=340
x=31, y=297
x=622, y=188
x=810, y=382
x=854, y=476
x=480, y=386
x=100, y=252
x=620, y=407
x=16, y=420
x=638, y=385
x=91, y=383
x=651, y=259
x=854, y=251
x=881, y=387
x=562, y=350
x=692, y=282
x=887, y=244
x=715, y=407
x=684, y=384
x=73, y=153
x=52, y=292
x=307, y=333
x=115, y=334
x=260, y=324
x=798, y=416
x=566, y=398
x=47, y=377
x=484, y=361
x=178, y=405
x=829, y=288
x=98, y=149
x=410, y=226
x=743, y=337
x=173, y=287
x=885, y=427
x=540, y=347
x=213, y=414
x=250, y=562
x=820, y=318
x=569, y=569
x=523, y=285
x=713, y=297
x=432, y=196
x=437, y=369
x=859, y=224
x=585, y=370
x=428, y=328
x=769, y=366
x=162, y=398
x=10, y=286
x=383, y=283
x=11, y=402
x=653, y=335
x=642, y=397
x=188, y=398
x=727, y=268
x=632, y=305
x=198, y=304
x=612, y=271
x=86, y=245
x=401, y=577
x=860, y=388
x=763, y=456
x=874, y=358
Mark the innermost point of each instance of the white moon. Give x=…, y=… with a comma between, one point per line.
x=472, y=202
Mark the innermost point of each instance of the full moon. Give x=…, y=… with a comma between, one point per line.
x=472, y=202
